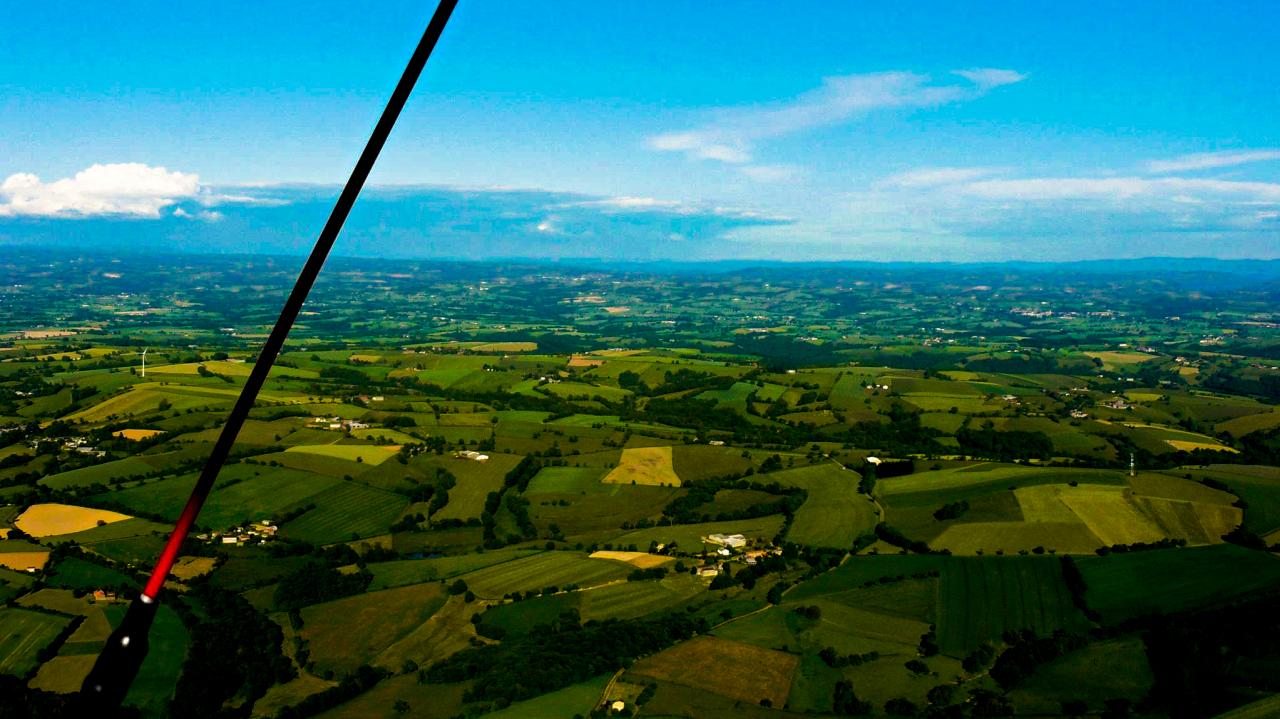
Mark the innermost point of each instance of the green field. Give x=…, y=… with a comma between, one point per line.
x=156, y=680
x=346, y=511
x=834, y=514
x=23, y=633
x=635, y=599
x=566, y=480
x=1098, y=672
x=567, y=702
x=1123, y=586
x=244, y=492
x=73, y=573
x=982, y=597
x=401, y=572
x=542, y=570
x=689, y=536
x=475, y=480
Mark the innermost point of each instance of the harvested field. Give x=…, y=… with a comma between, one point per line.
x=644, y=465
x=701, y=663
x=49, y=520
x=137, y=435
x=20, y=561
x=188, y=568
x=643, y=560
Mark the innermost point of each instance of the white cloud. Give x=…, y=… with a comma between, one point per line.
x=1178, y=189
x=935, y=176
x=1210, y=160
x=770, y=173
x=990, y=77
x=206, y=215
x=129, y=189
x=732, y=135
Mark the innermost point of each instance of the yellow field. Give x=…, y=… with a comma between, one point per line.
x=643, y=560
x=580, y=361
x=290, y=693
x=1113, y=361
x=1142, y=396
x=19, y=561
x=721, y=666
x=48, y=520
x=137, y=435
x=191, y=567
x=1064, y=537
x=1186, y=446
x=506, y=347
x=1078, y=520
x=368, y=453
x=1107, y=513
x=644, y=465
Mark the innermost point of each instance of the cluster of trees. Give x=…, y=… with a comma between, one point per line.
x=557, y=655
x=639, y=575
x=903, y=434
x=1166, y=543
x=951, y=510
x=358, y=682
x=518, y=478
x=684, y=509
x=1006, y=445
x=835, y=660
x=1194, y=657
x=1026, y=652
x=234, y=654
x=314, y=582
x=893, y=536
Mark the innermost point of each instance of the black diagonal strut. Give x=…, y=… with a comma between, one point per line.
x=122, y=656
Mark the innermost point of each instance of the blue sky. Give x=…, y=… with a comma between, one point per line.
x=795, y=130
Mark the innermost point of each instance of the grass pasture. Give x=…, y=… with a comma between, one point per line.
x=1123, y=586
x=1098, y=672
x=578, y=699
x=644, y=465
x=98, y=473
x=1257, y=486
x=565, y=480
x=348, y=632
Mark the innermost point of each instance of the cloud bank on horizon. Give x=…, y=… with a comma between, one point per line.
x=853, y=133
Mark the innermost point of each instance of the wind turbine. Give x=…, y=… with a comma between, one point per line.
x=144, y=360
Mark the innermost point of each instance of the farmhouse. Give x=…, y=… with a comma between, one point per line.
x=708, y=572
x=731, y=541
x=472, y=455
